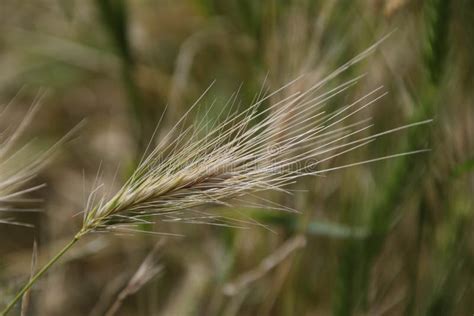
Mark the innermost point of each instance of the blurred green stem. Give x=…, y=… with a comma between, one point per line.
x=115, y=19
x=414, y=269
x=406, y=172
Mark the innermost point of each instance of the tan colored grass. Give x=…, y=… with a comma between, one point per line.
x=265, y=147
x=262, y=148
x=20, y=164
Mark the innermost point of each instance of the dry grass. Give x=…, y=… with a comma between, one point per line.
x=18, y=166
x=244, y=154
x=387, y=238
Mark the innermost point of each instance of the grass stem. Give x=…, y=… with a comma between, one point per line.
x=39, y=274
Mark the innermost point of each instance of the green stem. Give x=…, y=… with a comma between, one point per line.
x=39, y=274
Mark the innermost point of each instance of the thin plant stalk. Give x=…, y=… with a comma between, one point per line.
x=39, y=274
x=26, y=297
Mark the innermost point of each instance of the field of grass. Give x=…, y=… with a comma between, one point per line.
x=297, y=186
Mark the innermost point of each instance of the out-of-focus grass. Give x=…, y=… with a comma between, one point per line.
x=406, y=173
x=387, y=238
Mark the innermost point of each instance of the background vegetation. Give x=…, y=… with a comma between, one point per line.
x=388, y=238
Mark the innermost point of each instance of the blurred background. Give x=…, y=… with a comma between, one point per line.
x=387, y=238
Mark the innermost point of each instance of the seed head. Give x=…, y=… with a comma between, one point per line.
x=265, y=147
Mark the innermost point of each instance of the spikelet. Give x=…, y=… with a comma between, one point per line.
x=15, y=171
x=244, y=154
x=19, y=165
